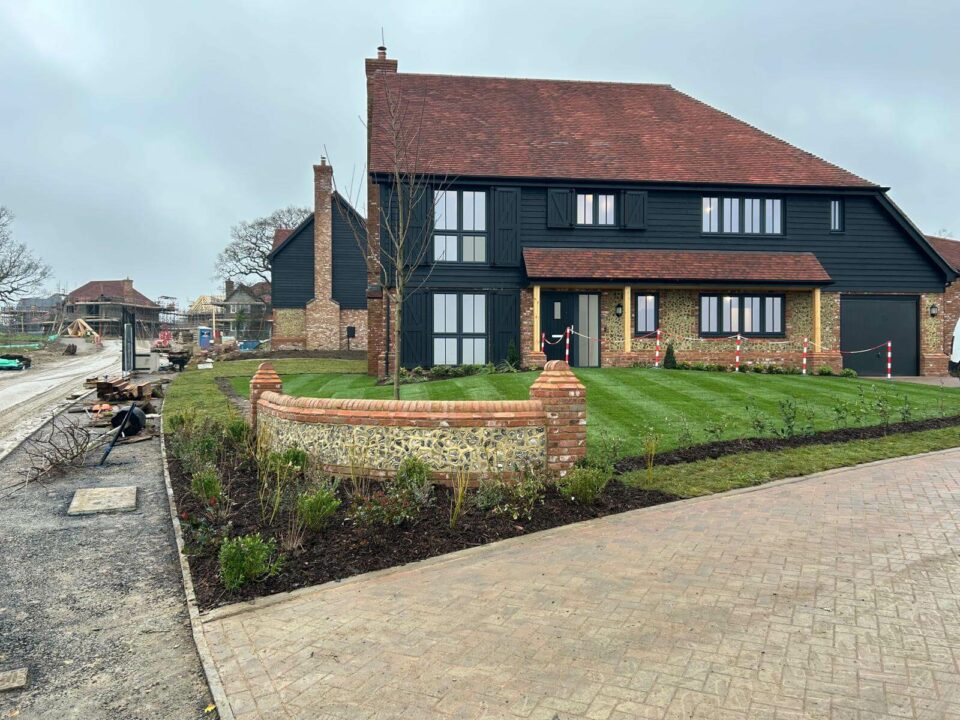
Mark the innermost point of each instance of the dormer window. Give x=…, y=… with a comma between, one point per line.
x=595, y=209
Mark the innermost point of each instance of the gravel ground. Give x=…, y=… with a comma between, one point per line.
x=94, y=605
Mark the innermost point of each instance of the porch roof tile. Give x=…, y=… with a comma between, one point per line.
x=674, y=266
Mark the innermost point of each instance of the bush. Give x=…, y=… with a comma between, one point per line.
x=248, y=558
x=670, y=358
x=412, y=482
x=491, y=492
x=513, y=355
x=316, y=507
x=401, y=499
x=848, y=373
x=583, y=485
x=521, y=496
x=206, y=486
x=825, y=370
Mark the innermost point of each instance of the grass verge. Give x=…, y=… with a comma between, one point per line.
x=749, y=469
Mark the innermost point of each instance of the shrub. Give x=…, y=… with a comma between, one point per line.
x=521, y=496
x=458, y=499
x=401, y=499
x=491, y=492
x=583, y=485
x=412, y=482
x=670, y=358
x=825, y=370
x=206, y=486
x=280, y=473
x=605, y=452
x=848, y=373
x=316, y=507
x=382, y=508
x=789, y=413
x=513, y=355
x=247, y=558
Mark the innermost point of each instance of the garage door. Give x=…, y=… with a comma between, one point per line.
x=869, y=320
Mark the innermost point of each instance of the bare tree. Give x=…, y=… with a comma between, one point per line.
x=20, y=271
x=406, y=210
x=247, y=254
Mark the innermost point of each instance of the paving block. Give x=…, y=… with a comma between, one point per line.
x=13, y=679
x=88, y=501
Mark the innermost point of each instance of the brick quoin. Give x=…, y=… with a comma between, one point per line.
x=264, y=380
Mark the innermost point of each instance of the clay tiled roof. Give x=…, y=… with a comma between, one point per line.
x=114, y=290
x=674, y=266
x=948, y=248
x=510, y=127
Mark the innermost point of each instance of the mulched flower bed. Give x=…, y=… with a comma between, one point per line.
x=343, y=548
x=714, y=450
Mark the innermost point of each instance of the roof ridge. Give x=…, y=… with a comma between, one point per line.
x=539, y=79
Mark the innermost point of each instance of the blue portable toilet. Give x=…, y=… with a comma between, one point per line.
x=205, y=336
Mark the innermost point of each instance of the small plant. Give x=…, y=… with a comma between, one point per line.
x=789, y=413
x=461, y=479
x=841, y=412
x=513, y=355
x=412, y=482
x=316, y=507
x=522, y=495
x=606, y=451
x=715, y=430
x=825, y=370
x=882, y=405
x=758, y=421
x=906, y=411
x=860, y=407
x=491, y=493
x=685, y=436
x=248, y=558
x=848, y=373
x=205, y=485
x=650, y=441
x=280, y=474
x=670, y=358
x=583, y=485
x=357, y=457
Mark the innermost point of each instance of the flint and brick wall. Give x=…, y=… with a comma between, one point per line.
x=289, y=329
x=485, y=438
x=950, y=310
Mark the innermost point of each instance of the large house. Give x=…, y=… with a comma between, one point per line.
x=619, y=209
x=106, y=305
x=319, y=275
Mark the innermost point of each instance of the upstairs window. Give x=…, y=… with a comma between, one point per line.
x=836, y=216
x=460, y=226
x=750, y=216
x=748, y=315
x=595, y=209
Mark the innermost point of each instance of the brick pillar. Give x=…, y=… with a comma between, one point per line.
x=564, y=400
x=265, y=379
x=323, y=312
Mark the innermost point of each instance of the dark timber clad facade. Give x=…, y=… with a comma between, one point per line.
x=875, y=251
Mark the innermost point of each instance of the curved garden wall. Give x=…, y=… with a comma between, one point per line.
x=374, y=436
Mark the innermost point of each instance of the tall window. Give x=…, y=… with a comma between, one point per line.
x=594, y=209
x=460, y=226
x=459, y=329
x=646, y=314
x=733, y=215
x=836, y=216
x=749, y=315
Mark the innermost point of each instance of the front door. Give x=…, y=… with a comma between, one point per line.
x=580, y=311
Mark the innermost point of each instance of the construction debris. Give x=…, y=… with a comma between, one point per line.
x=117, y=390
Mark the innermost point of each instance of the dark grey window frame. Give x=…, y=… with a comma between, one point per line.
x=460, y=233
x=596, y=208
x=656, y=312
x=740, y=296
x=840, y=216
x=460, y=335
x=742, y=219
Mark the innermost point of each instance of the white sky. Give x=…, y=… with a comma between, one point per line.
x=134, y=134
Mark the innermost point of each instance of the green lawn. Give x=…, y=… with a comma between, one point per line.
x=682, y=407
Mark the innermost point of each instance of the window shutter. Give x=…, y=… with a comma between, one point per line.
x=506, y=227
x=559, y=208
x=635, y=210
x=418, y=231
x=415, y=334
x=505, y=323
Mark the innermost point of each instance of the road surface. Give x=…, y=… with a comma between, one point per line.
x=29, y=397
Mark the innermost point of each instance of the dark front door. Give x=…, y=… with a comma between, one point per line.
x=558, y=311
x=580, y=311
x=870, y=320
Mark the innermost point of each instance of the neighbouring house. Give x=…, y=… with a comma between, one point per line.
x=246, y=311
x=319, y=275
x=40, y=315
x=619, y=209
x=104, y=305
x=949, y=249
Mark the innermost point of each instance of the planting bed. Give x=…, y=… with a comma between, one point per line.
x=713, y=450
x=344, y=548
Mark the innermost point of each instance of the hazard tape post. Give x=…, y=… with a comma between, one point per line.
x=804, y=371
x=736, y=364
x=566, y=352
x=889, y=358
x=656, y=356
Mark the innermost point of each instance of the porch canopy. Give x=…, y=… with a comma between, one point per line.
x=674, y=266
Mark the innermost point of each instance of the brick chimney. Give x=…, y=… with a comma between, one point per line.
x=323, y=313
x=228, y=288
x=380, y=63
x=127, y=285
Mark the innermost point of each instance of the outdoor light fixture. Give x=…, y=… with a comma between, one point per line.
x=934, y=310
x=619, y=310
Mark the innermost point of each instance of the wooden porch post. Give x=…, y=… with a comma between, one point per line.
x=816, y=320
x=627, y=322
x=536, y=319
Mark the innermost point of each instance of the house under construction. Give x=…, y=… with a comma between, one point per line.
x=106, y=304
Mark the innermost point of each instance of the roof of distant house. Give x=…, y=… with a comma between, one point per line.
x=948, y=248
x=674, y=266
x=522, y=128
x=40, y=303
x=111, y=290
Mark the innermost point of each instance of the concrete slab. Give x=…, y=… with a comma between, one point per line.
x=13, y=679
x=89, y=501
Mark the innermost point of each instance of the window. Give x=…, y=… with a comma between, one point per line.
x=749, y=315
x=742, y=215
x=460, y=225
x=459, y=329
x=646, y=314
x=593, y=209
x=557, y=311
x=836, y=216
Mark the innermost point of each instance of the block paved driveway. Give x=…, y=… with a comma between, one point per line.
x=832, y=597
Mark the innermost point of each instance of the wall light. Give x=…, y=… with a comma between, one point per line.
x=934, y=310
x=619, y=310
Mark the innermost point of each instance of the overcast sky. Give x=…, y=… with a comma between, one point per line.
x=134, y=134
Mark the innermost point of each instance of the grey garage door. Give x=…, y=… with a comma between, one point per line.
x=869, y=320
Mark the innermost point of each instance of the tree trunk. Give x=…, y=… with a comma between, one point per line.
x=398, y=310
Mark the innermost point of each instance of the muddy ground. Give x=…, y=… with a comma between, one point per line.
x=94, y=605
